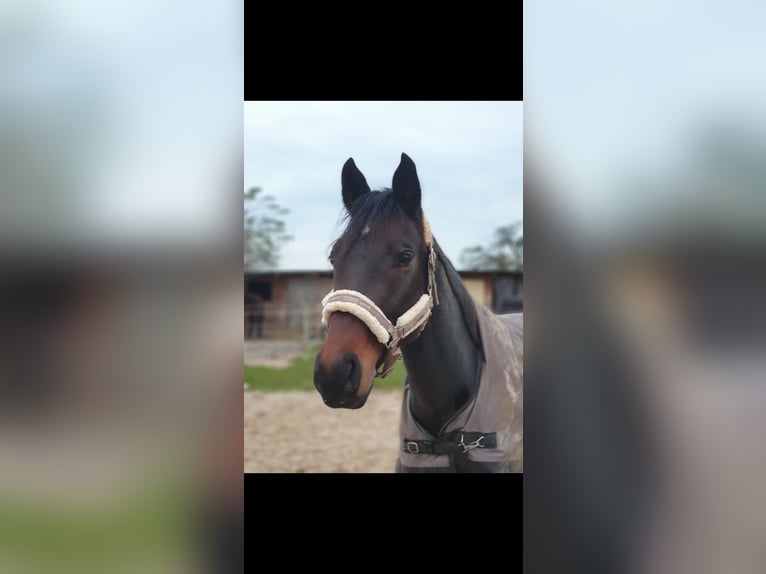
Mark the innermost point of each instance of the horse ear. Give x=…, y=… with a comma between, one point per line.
x=406, y=186
x=353, y=184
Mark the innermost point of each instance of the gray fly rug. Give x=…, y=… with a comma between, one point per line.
x=490, y=425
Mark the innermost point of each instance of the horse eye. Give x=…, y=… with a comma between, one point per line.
x=405, y=258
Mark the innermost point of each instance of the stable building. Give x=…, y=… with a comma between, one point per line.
x=287, y=304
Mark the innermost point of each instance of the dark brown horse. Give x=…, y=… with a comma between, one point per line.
x=397, y=295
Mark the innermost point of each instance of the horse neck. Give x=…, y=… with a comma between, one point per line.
x=442, y=363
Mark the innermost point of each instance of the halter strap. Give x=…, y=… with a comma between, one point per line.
x=412, y=321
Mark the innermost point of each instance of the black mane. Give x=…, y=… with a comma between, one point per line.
x=464, y=300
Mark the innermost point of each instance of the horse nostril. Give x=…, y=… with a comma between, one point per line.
x=339, y=383
x=352, y=376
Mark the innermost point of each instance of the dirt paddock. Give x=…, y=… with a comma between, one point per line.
x=297, y=432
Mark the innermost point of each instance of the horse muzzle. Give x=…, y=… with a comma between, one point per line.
x=344, y=368
x=339, y=382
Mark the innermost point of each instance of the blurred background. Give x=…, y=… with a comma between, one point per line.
x=120, y=145
x=645, y=141
x=120, y=165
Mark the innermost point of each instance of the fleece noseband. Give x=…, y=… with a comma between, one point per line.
x=390, y=334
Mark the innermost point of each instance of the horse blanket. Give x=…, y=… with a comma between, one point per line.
x=496, y=410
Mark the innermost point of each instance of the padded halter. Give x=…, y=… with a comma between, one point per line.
x=412, y=321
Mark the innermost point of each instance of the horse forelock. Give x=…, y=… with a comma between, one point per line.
x=370, y=212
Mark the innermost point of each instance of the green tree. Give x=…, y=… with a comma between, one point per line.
x=506, y=252
x=264, y=230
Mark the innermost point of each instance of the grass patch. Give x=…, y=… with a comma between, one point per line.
x=299, y=376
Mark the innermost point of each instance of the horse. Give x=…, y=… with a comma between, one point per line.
x=462, y=405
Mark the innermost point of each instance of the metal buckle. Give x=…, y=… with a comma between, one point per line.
x=475, y=444
x=412, y=447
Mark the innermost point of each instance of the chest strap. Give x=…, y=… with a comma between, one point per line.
x=456, y=443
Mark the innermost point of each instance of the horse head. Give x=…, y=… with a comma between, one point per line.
x=383, y=284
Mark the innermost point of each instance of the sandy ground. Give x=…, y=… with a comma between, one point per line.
x=297, y=432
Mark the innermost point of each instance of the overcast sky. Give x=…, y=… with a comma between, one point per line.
x=468, y=156
x=620, y=92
